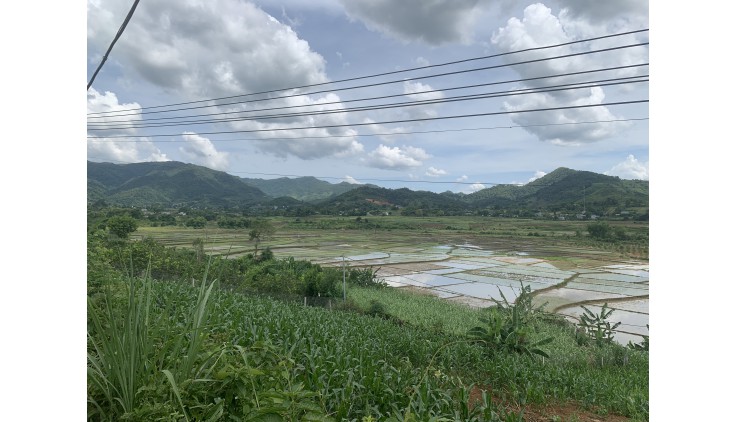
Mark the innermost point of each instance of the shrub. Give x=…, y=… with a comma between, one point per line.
x=510, y=326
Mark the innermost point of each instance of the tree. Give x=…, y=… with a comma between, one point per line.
x=196, y=222
x=261, y=229
x=122, y=226
x=599, y=230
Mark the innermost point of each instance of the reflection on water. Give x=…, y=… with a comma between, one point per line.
x=473, y=276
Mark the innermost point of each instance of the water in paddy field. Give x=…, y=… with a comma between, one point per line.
x=476, y=277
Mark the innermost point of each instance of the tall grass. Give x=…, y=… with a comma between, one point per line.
x=168, y=351
x=120, y=348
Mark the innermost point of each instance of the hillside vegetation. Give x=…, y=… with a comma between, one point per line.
x=173, y=184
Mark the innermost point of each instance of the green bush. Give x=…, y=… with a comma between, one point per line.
x=510, y=327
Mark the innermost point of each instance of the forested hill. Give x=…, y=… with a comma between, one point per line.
x=565, y=189
x=173, y=183
x=308, y=189
x=166, y=184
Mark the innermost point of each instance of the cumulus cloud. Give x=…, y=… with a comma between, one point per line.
x=539, y=27
x=396, y=158
x=351, y=180
x=205, y=48
x=199, y=150
x=118, y=145
x=417, y=91
x=432, y=22
x=420, y=92
x=463, y=178
x=323, y=136
x=599, y=11
x=631, y=168
x=217, y=48
x=537, y=175
x=474, y=187
x=434, y=172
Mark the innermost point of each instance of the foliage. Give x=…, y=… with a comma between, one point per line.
x=597, y=327
x=122, y=226
x=198, y=222
x=643, y=345
x=510, y=327
x=365, y=277
x=261, y=229
x=603, y=231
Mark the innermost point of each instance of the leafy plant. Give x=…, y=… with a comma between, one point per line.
x=643, y=345
x=597, y=327
x=122, y=225
x=510, y=326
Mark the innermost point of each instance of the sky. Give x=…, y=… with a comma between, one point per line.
x=198, y=52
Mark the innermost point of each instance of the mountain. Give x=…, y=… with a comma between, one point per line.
x=308, y=189
x=168, y=184
x=565, y=188
x=367, y=198
x=173, y=183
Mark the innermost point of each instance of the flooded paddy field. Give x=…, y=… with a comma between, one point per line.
x=473, y=263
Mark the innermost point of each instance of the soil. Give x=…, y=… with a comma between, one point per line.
x=563, y=412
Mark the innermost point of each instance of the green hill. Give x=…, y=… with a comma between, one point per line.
x=168, y=184
x=566, y=189
x=173, y=184
x=308, y=189
x=367, y=198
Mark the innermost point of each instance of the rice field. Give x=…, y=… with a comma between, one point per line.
x=462, y=266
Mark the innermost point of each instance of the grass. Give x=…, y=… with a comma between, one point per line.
x=328, y=364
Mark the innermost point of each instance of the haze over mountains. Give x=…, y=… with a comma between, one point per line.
x=173, y=184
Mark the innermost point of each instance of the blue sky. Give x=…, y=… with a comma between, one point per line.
x=173, y=52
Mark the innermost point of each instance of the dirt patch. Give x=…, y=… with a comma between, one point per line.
x=563, y=412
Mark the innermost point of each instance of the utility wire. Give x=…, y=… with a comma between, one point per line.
x=370, y=98
x=396, y=71
x=120, y=32
x=388, y=82
x=469, y=97
x=396, y=133
x=498, y=113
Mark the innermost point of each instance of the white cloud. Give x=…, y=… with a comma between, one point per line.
x=434, y=172
x=420, y=92
x=631, y=168
x=539, y=27
x=417, y=91
x=463, y=178
x=395, y=158
x=204, y=48
x=433, y=22
x=123, y=150
x=107, y=112
x=537, y=175
x=351, y=180
x=474, y=187
x=120, y=145
x=199, y=150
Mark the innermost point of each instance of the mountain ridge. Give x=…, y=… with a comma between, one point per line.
x=173, y=183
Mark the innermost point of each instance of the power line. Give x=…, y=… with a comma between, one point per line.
x=383, y=83
x=399, y=133
x=386, y=122
x=120, y=32
x=373, y=98
x=469, y=97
